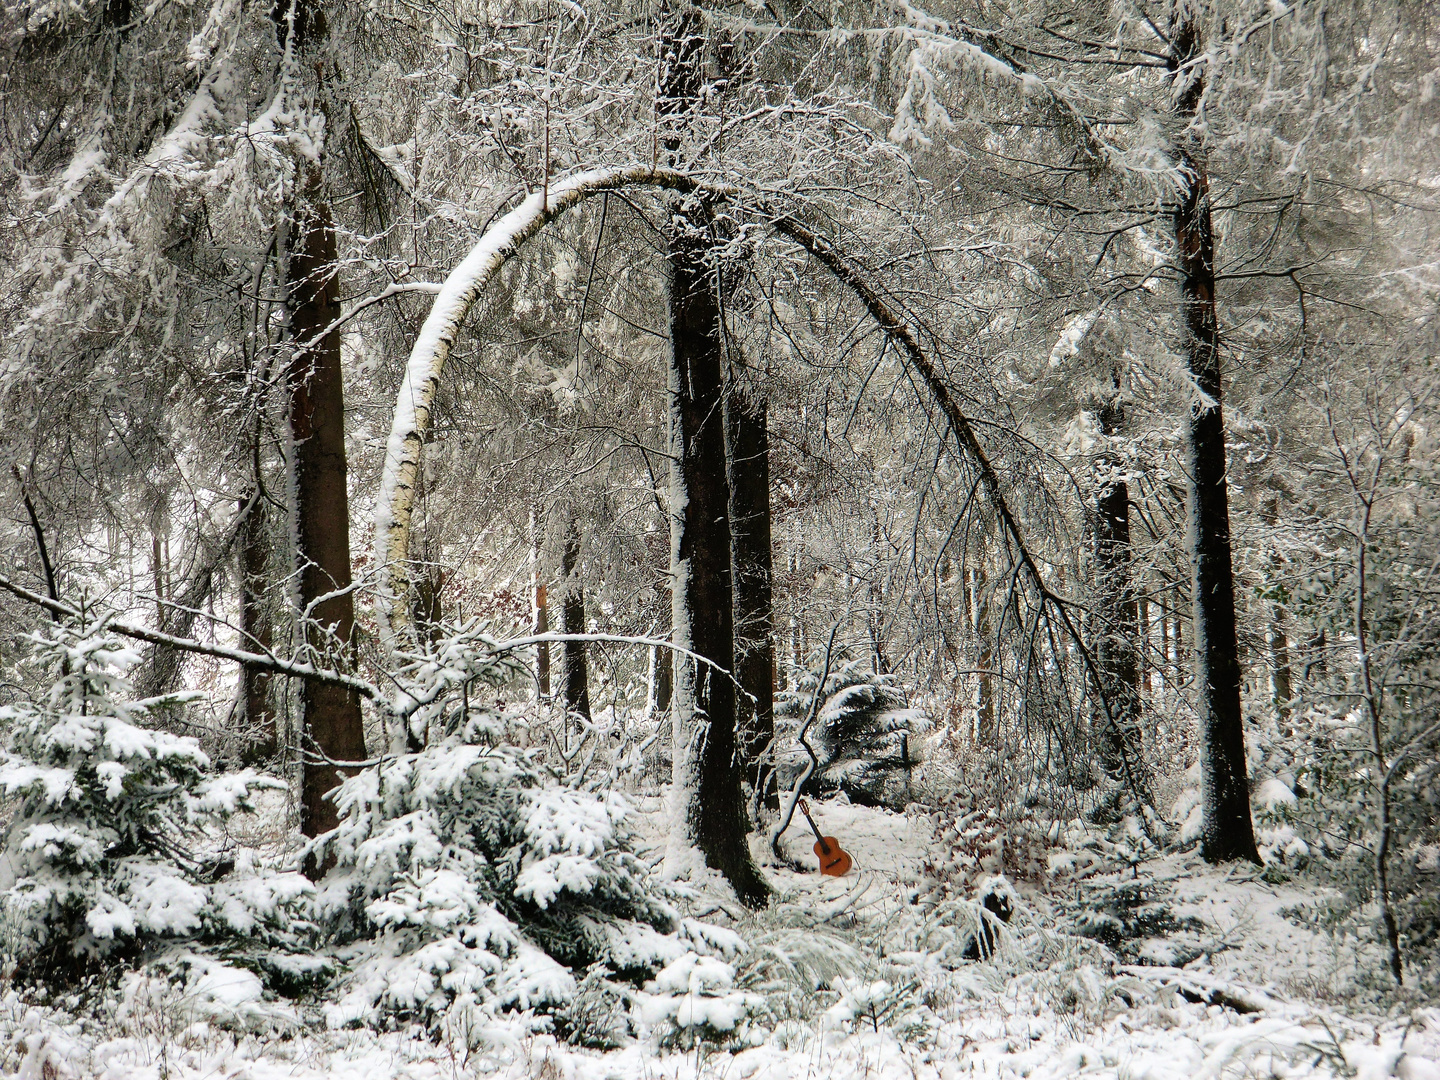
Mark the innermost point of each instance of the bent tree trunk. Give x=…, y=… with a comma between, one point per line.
x=1226, y=830
x=1115, y=652
x=748, y=463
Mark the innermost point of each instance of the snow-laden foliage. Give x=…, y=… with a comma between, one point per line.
x=862, y=734
x=694, y=998
x=114, y=844
x=467, y=880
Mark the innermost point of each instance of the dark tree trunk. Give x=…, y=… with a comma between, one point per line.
x=1120, y=741
x=1278, y=631
x=1315, y=650
x=1227, y=831
x=542, y=610
x=716, y=815
x=577, y=674
x=256, y=634
x=986, y=732
x=542, y=650
x=333, y=725
x=748, y=458
x=1142, y=623
x=664, y=678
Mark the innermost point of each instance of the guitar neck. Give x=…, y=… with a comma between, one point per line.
x=814, y=828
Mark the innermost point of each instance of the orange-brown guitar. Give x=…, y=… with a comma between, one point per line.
x=833, y=861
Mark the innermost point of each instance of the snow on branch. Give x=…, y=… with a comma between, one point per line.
x=457, y=295
x=968, y=448
x=267, y=661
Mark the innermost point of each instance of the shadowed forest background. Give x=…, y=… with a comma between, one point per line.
x=470, y=468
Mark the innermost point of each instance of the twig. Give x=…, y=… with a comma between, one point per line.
x=814, y=710
x=39, y=539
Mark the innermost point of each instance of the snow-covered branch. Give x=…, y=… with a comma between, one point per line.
x=266, y=661
x=501, y=241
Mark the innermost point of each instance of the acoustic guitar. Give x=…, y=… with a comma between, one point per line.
x=833, y=861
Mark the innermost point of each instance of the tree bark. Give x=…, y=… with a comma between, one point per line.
x=256, y=635
x=331, y=716
x=332, y=724
x=1142, y=624
x=664, y=679
x=748, y=464
x=572, y=611
x=986, y=733
x=706, y=753
x=176, y=615
x=1277, y=633
x=1115, y=653
x=542, y=611
x=1226, y=831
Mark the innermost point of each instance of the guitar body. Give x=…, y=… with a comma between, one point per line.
x=834, y=862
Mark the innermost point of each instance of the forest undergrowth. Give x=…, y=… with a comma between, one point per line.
x=485, y=916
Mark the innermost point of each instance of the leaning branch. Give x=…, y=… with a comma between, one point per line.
x=461, y=289
x=45, y=562
x=834, y=260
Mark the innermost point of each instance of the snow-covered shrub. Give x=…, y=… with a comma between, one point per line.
x=598, y=1016
x=893, y=1003
x=111, y=848
x=1132, y=913
x=974, y=841
x=466, y=878
x=862, y=735
x=693, y=999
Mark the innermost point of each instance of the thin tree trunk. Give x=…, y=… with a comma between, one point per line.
x=1315, y=650
x=748, y=461
x=664, y=679
x=1383, y=773
x=542, y=611
x=256, y=635
x=572, y=613
x=1276, y=632
x=1226, y=831
x=157, y=574
x=161, y=672
x=1142, y=613
x=1166, y=675
x=985, y=727
x=542, y=650
x=707, y=757
x=1120, y=742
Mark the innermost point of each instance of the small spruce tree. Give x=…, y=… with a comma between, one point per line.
x=111, y=849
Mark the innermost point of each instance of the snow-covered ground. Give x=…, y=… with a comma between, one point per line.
x=856, y=977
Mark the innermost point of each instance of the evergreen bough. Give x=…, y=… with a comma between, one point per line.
x=112, y=848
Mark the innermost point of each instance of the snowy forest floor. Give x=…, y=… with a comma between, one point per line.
x=858, y=979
